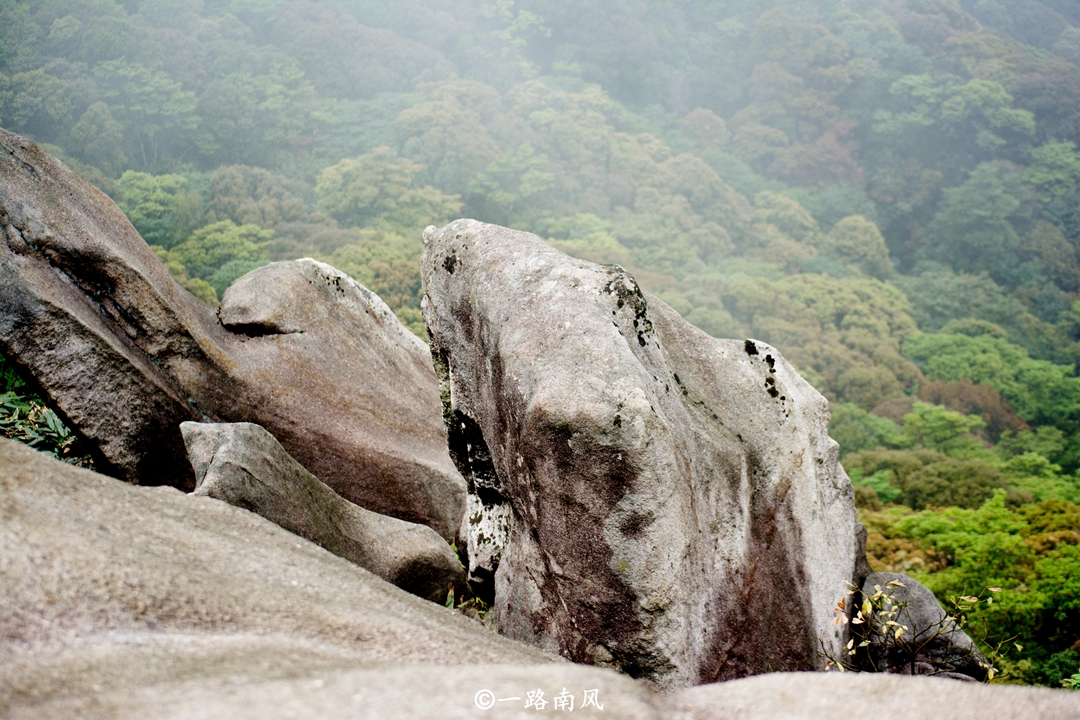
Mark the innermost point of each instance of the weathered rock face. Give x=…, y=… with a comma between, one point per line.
x=126, y=355
x=648, y=497
x=88, y=309
x=932, y=645
x=243, y=465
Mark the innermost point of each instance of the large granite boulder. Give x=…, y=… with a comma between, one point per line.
x=245, y=466
x=125, y=355
x=126, y=602
x=641, y=495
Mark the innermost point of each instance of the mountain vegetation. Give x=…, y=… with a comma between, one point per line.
x=888, y=191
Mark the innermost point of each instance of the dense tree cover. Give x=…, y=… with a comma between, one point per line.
x=1031, y=552
x=886, y=190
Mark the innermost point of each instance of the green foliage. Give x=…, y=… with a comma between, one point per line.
x=512, y=179
x=161, y=207
x=378, y=188
x=951, y=483
x=211, y=247
x=976, y=229
x=856, y=429
x=1047, y=441
x=881, y=643
x=1032, y=554
x=857, y=243
x=935, y=428
x=25, y=417
x=845, y=335
x=1039, y=391
x=1054, y=170
x=879, y=482
x=940, y=296
x=1034, y=474
x=254, y=196
x=971, y=399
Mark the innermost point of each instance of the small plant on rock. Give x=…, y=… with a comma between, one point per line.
x=25, y=418
x=884, y=638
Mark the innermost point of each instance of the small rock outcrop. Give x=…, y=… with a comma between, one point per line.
x=931, y=644
x=244, y=465
x=125, y=355
x=641, y=495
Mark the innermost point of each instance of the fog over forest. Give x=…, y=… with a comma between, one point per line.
x=885, y=190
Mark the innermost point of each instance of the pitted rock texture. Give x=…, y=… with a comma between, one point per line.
x=243, y=465
x=932, y=643
x=125, y=355
x=646, y=496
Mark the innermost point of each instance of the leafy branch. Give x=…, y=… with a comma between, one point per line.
x=882, y=642
x=25, y=418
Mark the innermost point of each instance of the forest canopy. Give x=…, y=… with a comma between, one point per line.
x=885, y=190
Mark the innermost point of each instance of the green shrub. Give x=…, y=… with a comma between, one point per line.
x=25, y=417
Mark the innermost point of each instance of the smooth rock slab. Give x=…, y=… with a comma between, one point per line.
x=831, y=695
x=647, y=497
x=244, y=465
x=125, y=355
x=109, y=587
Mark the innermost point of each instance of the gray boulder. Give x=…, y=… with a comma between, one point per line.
x=315, y=344
x=125, y=355
x=641, y=495
x=932, y=644
x=244, y=465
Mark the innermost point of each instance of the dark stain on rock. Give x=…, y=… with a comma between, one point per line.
x=628, y=294
x=768, y=612
x=450, y=263
x=635, y=524
x=750, y=347
x=471, y=455
x=770, y=362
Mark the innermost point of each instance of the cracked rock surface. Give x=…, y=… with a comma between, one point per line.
x=125, y=355
x=641, y=495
